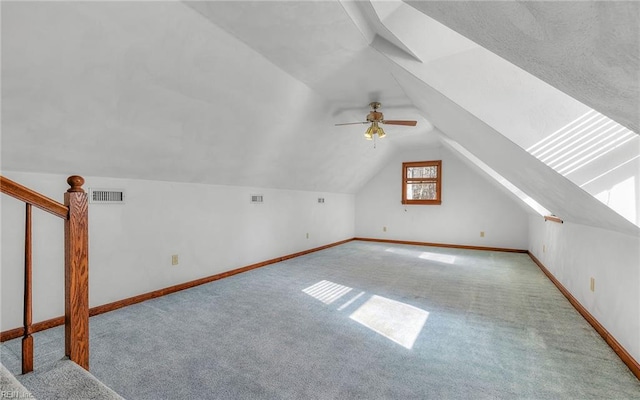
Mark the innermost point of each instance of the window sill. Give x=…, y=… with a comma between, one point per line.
x=421, y=202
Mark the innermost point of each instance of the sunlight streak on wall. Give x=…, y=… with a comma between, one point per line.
x=610, y=170
x=595, y=154
x=615, y=196
x=593, y=149
x=543, y=146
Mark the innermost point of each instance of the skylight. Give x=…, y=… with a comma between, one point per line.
x=580, y=142
x=584, y=146
x=599, y=155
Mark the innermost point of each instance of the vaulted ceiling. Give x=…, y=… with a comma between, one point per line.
x=248, y=92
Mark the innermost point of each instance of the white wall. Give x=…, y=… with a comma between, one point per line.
x=212, y=228
x=470, y=204
x=575, y=253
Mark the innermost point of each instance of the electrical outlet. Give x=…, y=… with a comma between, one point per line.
x=592, y=284
x=481, y=233
x=174, y=259
x=544, y=248
x=384, y=229
x=307, y=235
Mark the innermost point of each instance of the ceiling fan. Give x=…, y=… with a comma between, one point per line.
x=375, y=118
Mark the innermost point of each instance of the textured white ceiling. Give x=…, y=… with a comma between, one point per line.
x=247, y=93
x=588, y=49
x=315, y=42
x=223, y=93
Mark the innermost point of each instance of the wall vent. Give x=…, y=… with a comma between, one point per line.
x=320, y=199
x=106, y=196
x=257, y=198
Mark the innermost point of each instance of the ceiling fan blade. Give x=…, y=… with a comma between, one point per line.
x=354, y=123
x=399, y=122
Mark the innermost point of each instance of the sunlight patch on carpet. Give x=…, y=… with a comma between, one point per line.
x=327, y=291
x=397, y=321
x=348, y=303
x=425, y=255
x=443, y=258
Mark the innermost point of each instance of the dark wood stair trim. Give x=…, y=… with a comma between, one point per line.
x=17, y=191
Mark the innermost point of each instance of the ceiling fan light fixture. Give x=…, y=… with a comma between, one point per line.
x=369, y=133
x=374, y=128
x=375, y=118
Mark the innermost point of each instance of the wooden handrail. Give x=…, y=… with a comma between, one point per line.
x=16, y=190
x=74, y=211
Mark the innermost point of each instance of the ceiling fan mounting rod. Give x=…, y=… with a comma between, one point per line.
x=375, y=115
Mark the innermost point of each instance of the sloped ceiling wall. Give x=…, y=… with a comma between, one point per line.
x=551, y=190
x=155, y=90
x=588, y=49
x=247, y=93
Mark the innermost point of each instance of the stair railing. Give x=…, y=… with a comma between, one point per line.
x=74, y=211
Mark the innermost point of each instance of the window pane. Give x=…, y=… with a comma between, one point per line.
x=421, y=191
x=422, y=172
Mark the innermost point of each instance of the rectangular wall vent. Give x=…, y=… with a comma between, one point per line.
x=257, y=198
x=106, y=196
x=320, y=199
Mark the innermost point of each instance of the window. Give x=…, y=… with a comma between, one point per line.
x=421, y=182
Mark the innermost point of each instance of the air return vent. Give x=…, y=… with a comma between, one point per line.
x=106, y=196
x=257, y=198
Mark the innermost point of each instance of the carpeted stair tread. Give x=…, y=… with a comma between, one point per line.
x=10, y=387
x=65, y=380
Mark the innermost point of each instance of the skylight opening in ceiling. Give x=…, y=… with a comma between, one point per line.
x=580, y=142
x=599, y=155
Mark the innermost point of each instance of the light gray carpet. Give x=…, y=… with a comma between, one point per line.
x=65, y=380
x=11, y=388
x=351, y=322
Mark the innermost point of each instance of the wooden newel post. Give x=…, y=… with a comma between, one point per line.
x=76, y=273
x=27, y=339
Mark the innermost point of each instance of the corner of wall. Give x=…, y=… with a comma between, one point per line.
x=600, y=269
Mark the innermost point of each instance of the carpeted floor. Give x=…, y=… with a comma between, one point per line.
x=361, y=320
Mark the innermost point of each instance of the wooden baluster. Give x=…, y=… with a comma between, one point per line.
x=76, y=272
x=27, y=340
